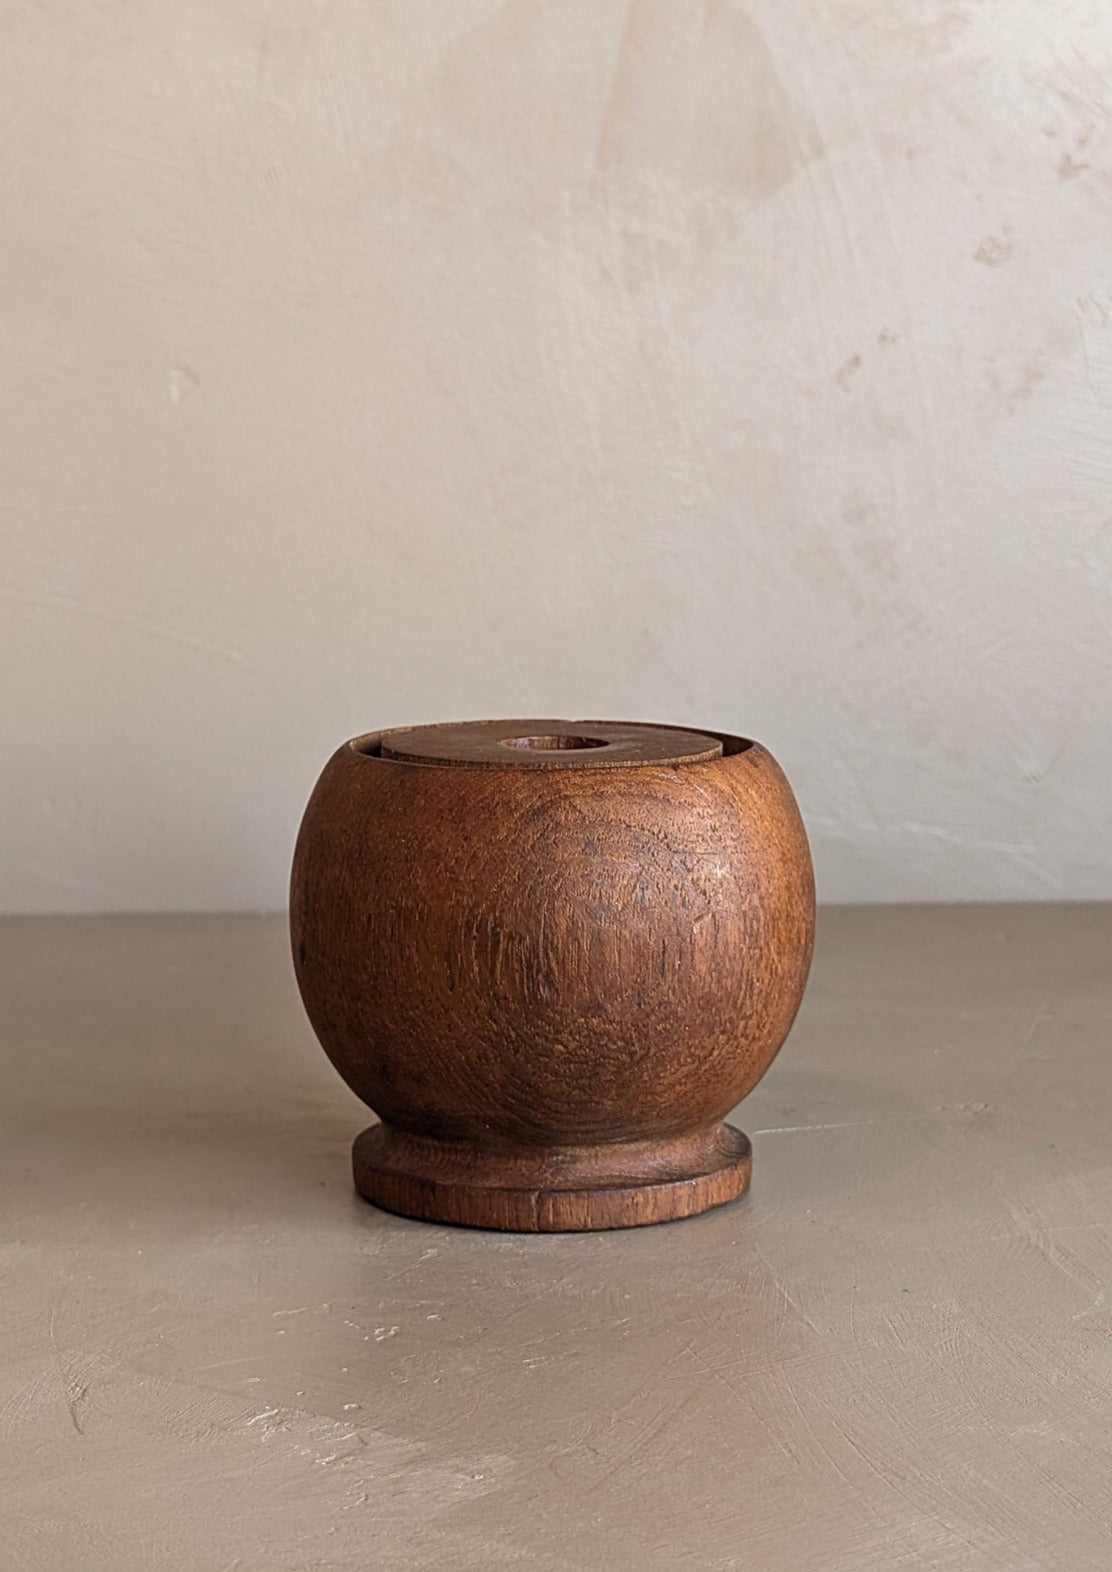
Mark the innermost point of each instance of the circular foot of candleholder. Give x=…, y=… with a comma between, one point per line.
x=528, y=1190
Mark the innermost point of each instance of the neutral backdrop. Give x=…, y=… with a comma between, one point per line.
x=744, y=365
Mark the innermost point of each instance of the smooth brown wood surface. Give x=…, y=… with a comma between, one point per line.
x=551, y=977
x=548, y=744
x=568, y=1188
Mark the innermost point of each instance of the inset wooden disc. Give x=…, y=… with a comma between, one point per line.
x=548, y=744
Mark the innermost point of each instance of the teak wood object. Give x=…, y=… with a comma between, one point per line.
x=551, y=956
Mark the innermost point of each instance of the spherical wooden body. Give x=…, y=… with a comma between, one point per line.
x=551, y=956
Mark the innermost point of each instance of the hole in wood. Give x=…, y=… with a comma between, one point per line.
x=564, y=744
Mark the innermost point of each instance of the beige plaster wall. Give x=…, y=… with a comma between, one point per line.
x=746, y=365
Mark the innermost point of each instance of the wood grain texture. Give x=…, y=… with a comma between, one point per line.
x=560, y=1190
x=550, y=976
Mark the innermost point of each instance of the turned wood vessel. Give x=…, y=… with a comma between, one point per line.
x=551, y=956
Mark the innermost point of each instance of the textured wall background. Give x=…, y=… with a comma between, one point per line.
x=743, y=365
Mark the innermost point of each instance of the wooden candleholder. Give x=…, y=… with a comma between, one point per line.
x=551, y=956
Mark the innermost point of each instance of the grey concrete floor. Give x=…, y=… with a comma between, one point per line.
x=895, y=1352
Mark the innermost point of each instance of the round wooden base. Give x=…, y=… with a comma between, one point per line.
x=531, y=1190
